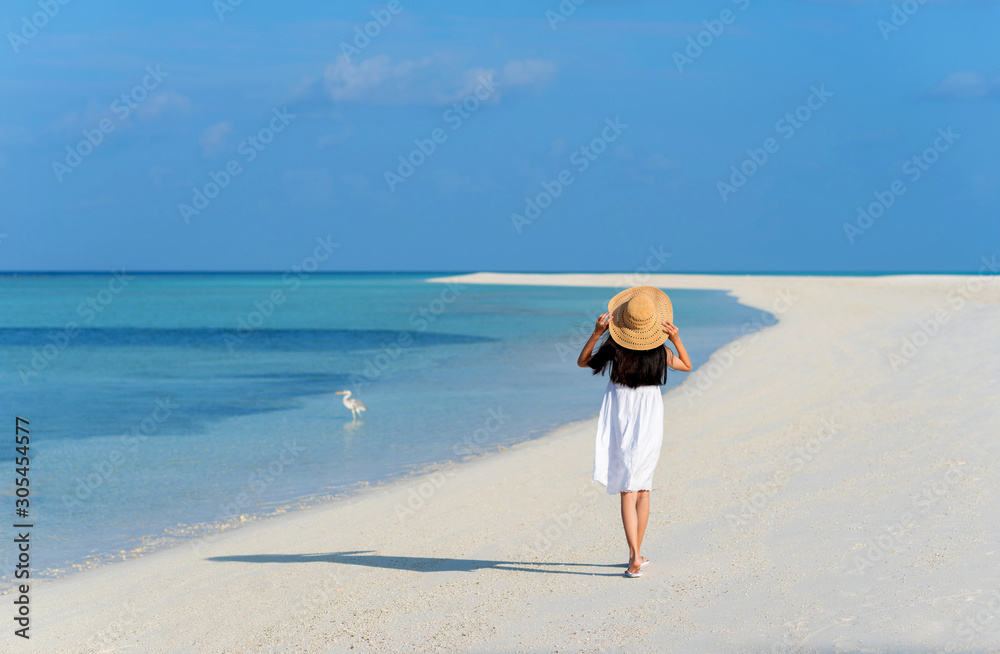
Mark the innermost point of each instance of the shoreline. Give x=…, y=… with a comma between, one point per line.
x=183, y=533
x=212, y=530
x=350, y=573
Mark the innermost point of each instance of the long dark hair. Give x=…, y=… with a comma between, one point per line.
x=632, y=368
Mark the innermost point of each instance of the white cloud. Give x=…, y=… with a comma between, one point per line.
x=213, y=139
x=529, y=72
x=377, y=79
x=162, y=103
x=429, y=80
x=155, y=106
x=966, y=85
x=515, y=74
x=466, y=83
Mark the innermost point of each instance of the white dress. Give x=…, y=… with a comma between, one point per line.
x=629, y=436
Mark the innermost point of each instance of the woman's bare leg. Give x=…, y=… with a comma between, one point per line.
x=642, y=515
x=630, y=520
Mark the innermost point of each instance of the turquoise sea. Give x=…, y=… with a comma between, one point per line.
x=163, y=407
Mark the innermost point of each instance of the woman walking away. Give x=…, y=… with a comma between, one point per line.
x=630, y=425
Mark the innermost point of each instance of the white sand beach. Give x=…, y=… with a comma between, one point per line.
x=823, y=487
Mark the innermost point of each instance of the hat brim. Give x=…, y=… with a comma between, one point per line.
x=646, y=339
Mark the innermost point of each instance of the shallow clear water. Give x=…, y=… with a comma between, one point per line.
x=172, y=404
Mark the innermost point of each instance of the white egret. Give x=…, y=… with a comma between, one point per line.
x=354, y=404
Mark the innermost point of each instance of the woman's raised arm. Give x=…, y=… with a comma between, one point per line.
x=680, y=361
x=588, y=349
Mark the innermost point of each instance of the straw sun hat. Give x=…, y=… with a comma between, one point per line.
x=637, y=317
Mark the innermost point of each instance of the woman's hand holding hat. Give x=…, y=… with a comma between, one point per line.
x=602, y=323
x=671, y=330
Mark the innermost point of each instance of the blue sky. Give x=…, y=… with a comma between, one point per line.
x=663, y=123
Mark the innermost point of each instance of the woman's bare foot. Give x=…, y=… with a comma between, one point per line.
x=635, y=565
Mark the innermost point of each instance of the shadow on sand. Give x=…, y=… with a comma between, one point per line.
x=420, y=563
